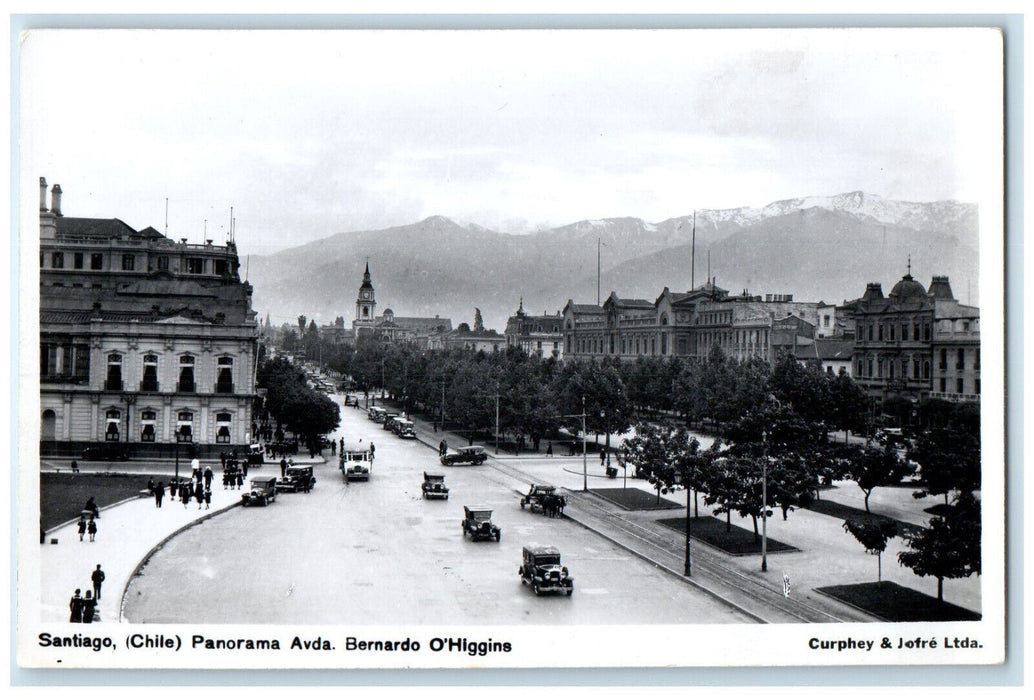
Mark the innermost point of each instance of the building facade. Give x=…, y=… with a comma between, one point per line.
x=536, y=335
x=916, y=343
x=144, y=341
x=427, y=332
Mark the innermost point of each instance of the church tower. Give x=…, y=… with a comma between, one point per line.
x=365, y=304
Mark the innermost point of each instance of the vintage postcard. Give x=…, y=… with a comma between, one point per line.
x=500, y=349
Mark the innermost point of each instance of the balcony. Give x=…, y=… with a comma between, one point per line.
x=223, y=388
x=186, y=387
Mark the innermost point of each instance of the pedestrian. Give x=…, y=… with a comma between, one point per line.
x=208, y=499
x=150, y=486
x=159, y=494
x=333, y=449
x=75, y=605
x=222, y=458
x=98, y=578
x=172, y=490
x=75, y=467
x=372, y=450
x=226, y=479
x=89, y=608
x=244, y=464
x=342, y=445
x=283, y=467
x=441, y=448
x=603, y=457
x=92, y=529
x=92, y=507
x=240, y=480
x=82, y=527
x=184, y=494
x=208, y=477
x=549, y=450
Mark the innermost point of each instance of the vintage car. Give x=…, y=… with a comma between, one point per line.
x=297, y=479
x=477, y=522
x=541, y=568
x=262, y=491
x=475, y=454
x=356, y=461
x=376, y=414
x=535, y=496
x=404, y=429
x=108, y=453
x=389, y=420
x=434, y=486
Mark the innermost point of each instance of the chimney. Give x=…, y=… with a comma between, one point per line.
x=55, y=200
x=43, y=194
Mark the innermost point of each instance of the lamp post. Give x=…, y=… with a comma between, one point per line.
x=764, y=501
x=585, y=463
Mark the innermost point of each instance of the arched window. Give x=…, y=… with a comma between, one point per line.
x=186, y=383
x=48, y=426
x=224, y=378
x=112, y=418
x=222, y=427
x=147, y=421
x=150, y=378
x=114, y=379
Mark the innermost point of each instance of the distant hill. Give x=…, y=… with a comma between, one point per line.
x=816, y=248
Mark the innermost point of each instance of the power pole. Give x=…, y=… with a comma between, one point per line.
x=585, y=463
x=497, y=421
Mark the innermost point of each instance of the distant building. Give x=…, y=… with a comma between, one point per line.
x=144, y=341
x=424, y=331
x=688, y=324
x=484, y=340
x=536, y=335
x=831, y=355
x=916, y=343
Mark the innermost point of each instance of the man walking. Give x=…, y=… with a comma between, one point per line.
x=92, y=529
x=98, y=578
x=82, y=527
x=159, y=494
x=208, y=478
x=283, y=467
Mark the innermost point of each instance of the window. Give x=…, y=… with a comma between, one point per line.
x=184, y=426
x=915, y=331
x=222, y=428
x=926, y=369
x=150, y=378
x=976, y=361
x=926, y=330
x=196, y=266
x=128, y=262
x=904, y=331
x=224, y=378
x=163, y=262
x=57, y=260
x=976, y=386
x=114, y=379
x=959, y=386
x=943, y=363
x=890, y=330
x=825, y=321
x=96, y=261
x=186, y=382
x=77, y=261
x=220, y=267
x=112, y=417
x=147, y=421
x=944, y=385
x=960, y=360
x=915, y=368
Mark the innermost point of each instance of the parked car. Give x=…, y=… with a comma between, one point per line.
x=262, y=491
x=376, y=414
x=404, y=429
x=297, y=479
x=434, y=486
x=541, y=569
x=356, y=461
x=474, y=454
x=108, y=453
x=536, y=495
x=389, y=420
x=477, y=522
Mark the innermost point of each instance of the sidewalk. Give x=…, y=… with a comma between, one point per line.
x=127, y=532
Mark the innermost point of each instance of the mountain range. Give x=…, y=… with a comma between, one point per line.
x=815, y=248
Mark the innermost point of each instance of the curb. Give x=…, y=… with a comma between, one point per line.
x=150, y=553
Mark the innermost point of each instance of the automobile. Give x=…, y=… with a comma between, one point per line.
x=356, y=461
x=536, y=495
x=297, y=479
x=474, y=454
x=376, y=414
x=262, y=491
x=108, y=453
x=389, y=420
x=541, y=568
x=434, y=486
x=477, y=522
x=404, y=429
x=256, y=454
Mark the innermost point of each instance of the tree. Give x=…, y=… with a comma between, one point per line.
x=301, y=325
x=874, y=536
x=871, y=467
x=849, y=405
x=950, y=547
x=949, y=461
x=479, y=324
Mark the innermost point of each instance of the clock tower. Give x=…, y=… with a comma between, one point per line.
x=365, y=304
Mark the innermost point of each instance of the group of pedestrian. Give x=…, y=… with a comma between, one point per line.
x=84, y=608
x=233, y=477
x=553, y=505
x=85, y=527
x=443, y=448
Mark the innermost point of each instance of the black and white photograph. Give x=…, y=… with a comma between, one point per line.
x=495, y=348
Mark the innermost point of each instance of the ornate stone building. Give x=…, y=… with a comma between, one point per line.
x=144, y=341
x=425, y=331
x=536, y=335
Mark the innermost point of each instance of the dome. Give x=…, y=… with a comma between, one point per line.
x=907, y=289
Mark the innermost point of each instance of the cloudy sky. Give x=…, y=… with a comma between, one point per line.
x=307, y=134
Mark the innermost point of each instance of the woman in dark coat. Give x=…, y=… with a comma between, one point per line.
x=76, y=606
x=184, y=495
x=199, y=494
x=82, y=527
x=92, y=529
x=89, y=607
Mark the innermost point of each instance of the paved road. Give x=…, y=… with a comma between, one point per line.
x=377, y=553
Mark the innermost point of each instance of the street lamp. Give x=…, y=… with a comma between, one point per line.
x=585, y=463
x=764, y=501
